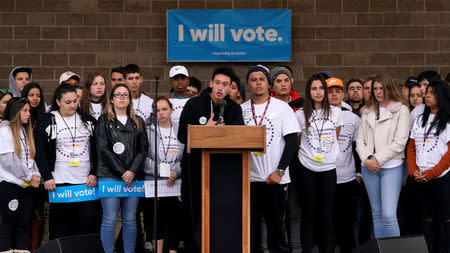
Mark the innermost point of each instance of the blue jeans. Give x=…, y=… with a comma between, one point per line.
x=111, y=207
x=383, y=189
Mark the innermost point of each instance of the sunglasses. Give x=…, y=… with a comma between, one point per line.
x=6, y=91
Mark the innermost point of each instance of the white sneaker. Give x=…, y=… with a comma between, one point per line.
x=148, y=246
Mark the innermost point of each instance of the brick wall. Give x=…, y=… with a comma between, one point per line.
x=350, y=38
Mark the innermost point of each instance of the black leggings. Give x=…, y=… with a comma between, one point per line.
x=318, y=191
x=434, y=201
x=16, y=213
x=345, y=214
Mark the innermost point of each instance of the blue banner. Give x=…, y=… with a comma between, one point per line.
x=75, y=193
x=118, y=189
x=229, y=35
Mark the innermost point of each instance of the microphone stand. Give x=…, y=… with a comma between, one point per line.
x=155, y=171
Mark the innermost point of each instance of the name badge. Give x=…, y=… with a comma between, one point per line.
x=164, y=169
x=318, y=155
x=74, y=161
x=258, y=153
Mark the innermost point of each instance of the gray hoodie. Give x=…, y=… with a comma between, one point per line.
x=12, y=81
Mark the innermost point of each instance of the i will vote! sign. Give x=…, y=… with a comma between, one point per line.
x=229, y=35
x=118, y=189
x=74, y=193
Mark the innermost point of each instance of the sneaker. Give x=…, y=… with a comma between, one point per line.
x=148, y=246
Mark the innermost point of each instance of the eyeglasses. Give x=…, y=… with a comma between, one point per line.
x=121, y=95
x=5, y=91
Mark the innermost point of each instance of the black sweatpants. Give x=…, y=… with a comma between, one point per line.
x=78, y=218
x=169, y=220
x=268, y=201
x=318, y=190
x=16, y=213
x=345, y=214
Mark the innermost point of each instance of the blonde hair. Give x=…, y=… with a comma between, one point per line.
x=16, y=127
x=110, y=108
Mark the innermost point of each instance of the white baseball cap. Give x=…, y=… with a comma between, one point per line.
x=67, y=75
x=178, y=70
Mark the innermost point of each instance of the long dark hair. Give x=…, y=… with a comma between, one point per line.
x=59, y=92
x=85, y=102
x=441, y=92
x=38, y=112
x=308, y=105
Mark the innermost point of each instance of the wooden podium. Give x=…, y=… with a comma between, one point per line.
x=226, y=183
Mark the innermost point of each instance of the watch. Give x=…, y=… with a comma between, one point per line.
x=281, y=172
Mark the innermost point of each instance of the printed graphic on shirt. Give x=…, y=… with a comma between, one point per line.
x=280, y=121
x=429, y=147
x=95, y=110
x=178, y=106
x=319, y=148
x=143, y=106
x=346, y=169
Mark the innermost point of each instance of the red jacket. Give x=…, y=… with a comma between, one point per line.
x=296, y=101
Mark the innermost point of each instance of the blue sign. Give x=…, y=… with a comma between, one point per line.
x=75, y=193
x=229, y=35
x=118, y=189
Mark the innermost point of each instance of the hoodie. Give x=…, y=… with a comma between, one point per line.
x=12, y=81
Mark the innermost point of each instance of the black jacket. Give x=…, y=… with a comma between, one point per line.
x=191, y=165
x=112, y=165
x=45, y=142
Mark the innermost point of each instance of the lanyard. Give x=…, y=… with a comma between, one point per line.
x=165, y=151
x=425, y=135
x=321, y=128
x=74, y=136
x=25, y=145
x=264, y=113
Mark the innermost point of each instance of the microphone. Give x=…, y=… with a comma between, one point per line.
x=156, y=80
x=222, y=105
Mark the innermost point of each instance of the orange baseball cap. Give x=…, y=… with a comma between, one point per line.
x=335, y=82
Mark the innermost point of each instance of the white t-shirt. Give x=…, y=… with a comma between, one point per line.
x=143, y=106
x=415, y=113
x=95, y=110
x=346, y=106
x=7, y=146
x=169, y=147
x=324, y=146
x=71, y=142
x=279, y=121
x=122, y=119
x=178, y=105
x=434, y=147
x=346, y=170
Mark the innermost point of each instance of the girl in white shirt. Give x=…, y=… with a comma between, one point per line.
x=18, y=171
x=170, y=152
x=318, y=155
x=429, y=161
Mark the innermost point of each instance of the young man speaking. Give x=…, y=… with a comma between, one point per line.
x=202, y=110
